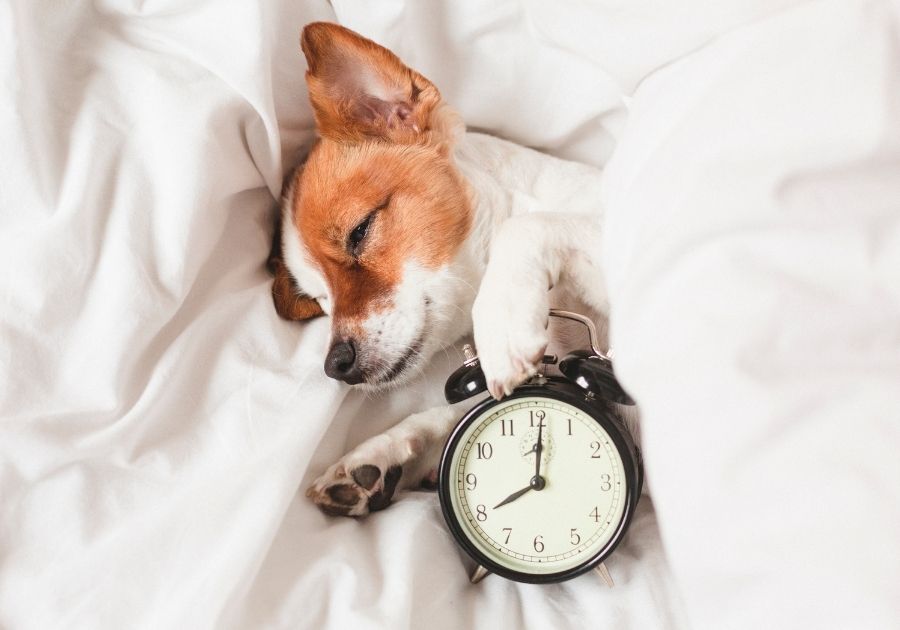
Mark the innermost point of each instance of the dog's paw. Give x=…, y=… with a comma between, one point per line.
x=364, y=480
x=351, y=489
x=510, y=336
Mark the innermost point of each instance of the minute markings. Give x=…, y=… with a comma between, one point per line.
x=495, y=472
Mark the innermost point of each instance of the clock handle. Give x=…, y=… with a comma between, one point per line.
x=592, y=330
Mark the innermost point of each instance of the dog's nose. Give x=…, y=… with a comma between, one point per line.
x=341, y=363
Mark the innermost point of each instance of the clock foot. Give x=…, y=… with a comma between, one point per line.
x=604, y=573
x=478, y=574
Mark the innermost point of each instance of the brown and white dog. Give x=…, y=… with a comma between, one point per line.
x=394, y=223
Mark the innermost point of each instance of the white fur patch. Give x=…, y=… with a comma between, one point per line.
x=430, y=309
x=298, y=261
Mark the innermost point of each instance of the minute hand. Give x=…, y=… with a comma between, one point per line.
x=538, y=448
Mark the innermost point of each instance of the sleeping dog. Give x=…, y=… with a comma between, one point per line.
x=411, y=233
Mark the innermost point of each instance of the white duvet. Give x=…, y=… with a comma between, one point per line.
x=157, y=418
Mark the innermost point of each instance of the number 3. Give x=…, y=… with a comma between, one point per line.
x=605, y=484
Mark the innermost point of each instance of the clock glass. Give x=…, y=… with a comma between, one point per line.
x=537, y=485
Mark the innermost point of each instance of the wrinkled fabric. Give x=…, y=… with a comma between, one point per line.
x=753, y=247
x=156, y=417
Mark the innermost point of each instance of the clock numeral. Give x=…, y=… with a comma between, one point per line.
x=485, y=450
x=574, y=538
x=480, y=513
x=605, y=483
x=503, y=422
x=471, y=481
x=596, y=515
x=596, y=446
x=570, y=425
x=540, y=414
x=508, y=531
x=538, y=543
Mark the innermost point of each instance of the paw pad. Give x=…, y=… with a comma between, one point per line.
x=381, y=499
x=366, y=475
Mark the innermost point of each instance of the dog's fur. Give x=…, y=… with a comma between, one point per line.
x=448, y=211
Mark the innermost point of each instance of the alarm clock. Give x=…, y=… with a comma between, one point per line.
x=541, y=486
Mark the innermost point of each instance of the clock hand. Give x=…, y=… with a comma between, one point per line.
x=536, y=483
x=515, y=495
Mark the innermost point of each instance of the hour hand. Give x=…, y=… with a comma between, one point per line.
x=515, y=495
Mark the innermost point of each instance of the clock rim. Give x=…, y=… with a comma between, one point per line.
x=597, y=409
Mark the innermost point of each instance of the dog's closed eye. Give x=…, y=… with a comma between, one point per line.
x=358, y=235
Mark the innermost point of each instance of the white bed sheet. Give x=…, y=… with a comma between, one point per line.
x=157, y=417
x=753, y=247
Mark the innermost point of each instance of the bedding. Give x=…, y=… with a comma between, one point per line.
x=753, y=242
x=157, y=419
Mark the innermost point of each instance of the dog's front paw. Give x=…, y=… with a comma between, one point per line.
x=362, y=481
x=366, y=478
x=510, y=336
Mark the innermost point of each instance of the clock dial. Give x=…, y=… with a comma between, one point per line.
x=546, y=526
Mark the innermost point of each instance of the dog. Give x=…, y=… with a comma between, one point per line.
x=410, y=233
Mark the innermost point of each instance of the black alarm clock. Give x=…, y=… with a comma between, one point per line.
x=541, y=486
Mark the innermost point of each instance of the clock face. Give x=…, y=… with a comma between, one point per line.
x=534, y=520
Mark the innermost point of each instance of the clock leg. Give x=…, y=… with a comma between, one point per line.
x=604, y=573
x=478, y=574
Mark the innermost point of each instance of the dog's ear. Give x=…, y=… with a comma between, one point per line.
x=361, y=90
x=290, y=302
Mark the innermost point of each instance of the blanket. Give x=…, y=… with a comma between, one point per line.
x=158, y=419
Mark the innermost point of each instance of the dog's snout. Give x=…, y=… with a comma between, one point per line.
x=341, y=363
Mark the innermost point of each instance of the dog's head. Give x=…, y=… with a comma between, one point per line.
x=374, y=219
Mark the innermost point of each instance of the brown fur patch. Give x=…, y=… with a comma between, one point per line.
x=290, y=302
x=427, y=219
x=373, y=150
x=336, y=56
